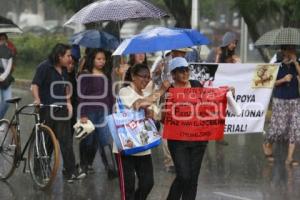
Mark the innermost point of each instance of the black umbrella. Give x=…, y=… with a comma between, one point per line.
x=8, y=26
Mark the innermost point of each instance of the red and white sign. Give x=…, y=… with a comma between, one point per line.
x=195, y=114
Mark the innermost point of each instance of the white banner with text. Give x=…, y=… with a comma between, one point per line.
x=253, y=85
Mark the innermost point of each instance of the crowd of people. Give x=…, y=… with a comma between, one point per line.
x=86, y=92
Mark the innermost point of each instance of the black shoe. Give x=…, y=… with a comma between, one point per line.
x=90, y=169
x=71, y=179
x=80, y=174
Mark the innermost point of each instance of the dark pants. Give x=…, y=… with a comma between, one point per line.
x=99, y=139
x=62, y=131
x=88, y=151
x=187, y=157
x=143, y=168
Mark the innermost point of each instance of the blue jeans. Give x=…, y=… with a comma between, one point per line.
x=100, y=133
x=4, y=95
x=98, y=139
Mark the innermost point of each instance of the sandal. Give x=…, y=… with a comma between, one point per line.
x=267, y=149
x=292, y=162
x=270, y=157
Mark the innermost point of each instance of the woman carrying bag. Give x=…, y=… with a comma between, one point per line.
x=132, y=97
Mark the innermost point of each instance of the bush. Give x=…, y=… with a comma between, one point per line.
x=31, y=50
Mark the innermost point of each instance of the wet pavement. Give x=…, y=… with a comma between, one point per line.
x=238, y=171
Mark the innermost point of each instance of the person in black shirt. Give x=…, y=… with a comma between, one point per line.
x=187, y=155
x=50, y=86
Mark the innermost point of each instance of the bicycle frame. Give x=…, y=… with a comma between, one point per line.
x=15, y=122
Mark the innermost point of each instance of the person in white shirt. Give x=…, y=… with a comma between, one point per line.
x=6, y=65
x=140, y=164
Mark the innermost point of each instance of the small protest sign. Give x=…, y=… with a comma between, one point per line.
x=195, y=114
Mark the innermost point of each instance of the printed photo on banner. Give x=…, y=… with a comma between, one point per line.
x=204, y=73
x=264, y=76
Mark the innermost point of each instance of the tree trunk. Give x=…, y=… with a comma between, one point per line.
x=288, y=21
x=254, y=34
x=181, y=12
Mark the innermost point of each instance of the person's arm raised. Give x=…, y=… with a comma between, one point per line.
x=149, y=100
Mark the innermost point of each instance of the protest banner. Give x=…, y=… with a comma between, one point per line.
x=195, y=114
x=253, y=85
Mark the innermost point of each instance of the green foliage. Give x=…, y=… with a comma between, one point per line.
x=280, y=12
x=75, y=5
x=290, y=7
x=207, y=8
x=32, y=50
x=71, y=5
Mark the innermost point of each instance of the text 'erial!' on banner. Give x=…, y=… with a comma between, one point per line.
x=195, y=114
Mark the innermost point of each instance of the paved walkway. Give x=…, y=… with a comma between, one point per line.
x=238, y=171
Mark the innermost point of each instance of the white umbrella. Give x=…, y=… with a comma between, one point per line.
x=278, y=37
x=7, y=26
x=116, y=10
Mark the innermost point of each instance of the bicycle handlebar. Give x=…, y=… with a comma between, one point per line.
x=38, y=106
x=43, y=105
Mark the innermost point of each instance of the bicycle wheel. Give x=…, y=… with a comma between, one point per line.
x=8, y=150
x=43, y=157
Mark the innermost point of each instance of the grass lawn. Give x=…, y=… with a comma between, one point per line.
x=25, y=71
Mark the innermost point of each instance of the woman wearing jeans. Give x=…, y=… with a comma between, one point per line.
x=95, y=103
x=6, y=65
x=187, y=156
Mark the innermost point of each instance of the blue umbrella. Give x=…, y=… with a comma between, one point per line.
x=161, y=39
x=95, y=39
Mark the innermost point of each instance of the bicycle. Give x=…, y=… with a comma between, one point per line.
x=43, y=147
